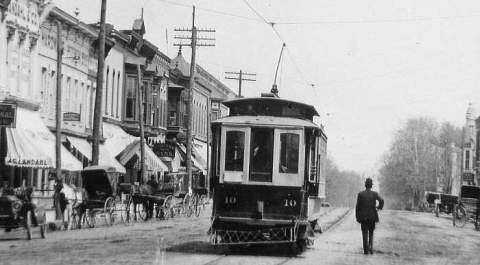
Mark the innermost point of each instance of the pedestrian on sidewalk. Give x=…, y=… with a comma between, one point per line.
x=367, y=215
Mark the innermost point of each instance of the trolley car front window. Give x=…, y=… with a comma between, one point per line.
x=289, y=153
x=234, y=151
x=261, y=154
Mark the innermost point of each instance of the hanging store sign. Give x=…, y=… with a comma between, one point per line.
x=8, y=115
x=164, y=150
x=71, y=116
x=468, y=177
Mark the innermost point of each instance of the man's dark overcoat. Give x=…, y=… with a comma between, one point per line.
x=366, y=206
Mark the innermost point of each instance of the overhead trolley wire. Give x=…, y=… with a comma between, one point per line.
x=289, y=52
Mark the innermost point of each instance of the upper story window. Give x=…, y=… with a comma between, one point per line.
x=130, y=99
x=234, y=150
x=289, y=151
x=467, y=159
x=261, y=154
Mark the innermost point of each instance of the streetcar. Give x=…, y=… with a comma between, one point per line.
x=267, y=173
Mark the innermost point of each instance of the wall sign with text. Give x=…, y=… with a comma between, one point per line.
x=8, y=115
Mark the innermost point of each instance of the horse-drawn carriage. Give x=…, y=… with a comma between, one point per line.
x=101, y=197
x=468, y=207
x=438, y=202
x=168, y=198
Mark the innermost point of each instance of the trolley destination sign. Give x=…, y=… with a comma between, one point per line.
x=8, y=115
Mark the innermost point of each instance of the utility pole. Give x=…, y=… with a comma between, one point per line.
x=140, y=123
x=239, y=76
x=58, y=120
x=193, y=43
x=97, y=116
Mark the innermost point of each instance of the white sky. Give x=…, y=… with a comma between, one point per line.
x=373, y=63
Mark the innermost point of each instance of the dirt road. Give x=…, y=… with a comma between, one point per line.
x=401, y=238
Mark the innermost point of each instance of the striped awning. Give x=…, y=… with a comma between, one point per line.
x=152, y=162
x=105, y=158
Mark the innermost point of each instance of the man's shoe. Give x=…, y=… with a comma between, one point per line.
x=365, y=252
x=371, y=251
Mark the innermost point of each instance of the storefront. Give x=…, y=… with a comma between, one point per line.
x=29, y=154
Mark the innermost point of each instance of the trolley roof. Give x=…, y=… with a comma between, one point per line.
x=266, y=121
x=270, y=106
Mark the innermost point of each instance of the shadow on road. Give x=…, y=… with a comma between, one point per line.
x=202, y=247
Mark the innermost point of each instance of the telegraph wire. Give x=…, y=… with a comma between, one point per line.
x=209, y=10
x=289, y=52
x=374, y=21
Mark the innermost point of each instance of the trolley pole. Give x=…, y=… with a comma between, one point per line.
x=97, y=116
x=193, y=43
x=58, y=105
x=240, y=77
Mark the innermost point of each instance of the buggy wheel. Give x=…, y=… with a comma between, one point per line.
x=109, y=210
x=460, y=216
x=129, y=210
x=90, y=218
x=167, y=208
x=28, y=224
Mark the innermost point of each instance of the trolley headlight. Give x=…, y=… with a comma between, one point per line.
x=16, y=206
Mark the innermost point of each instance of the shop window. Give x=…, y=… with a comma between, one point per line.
x=261, y=155
x=234, y=150
x=289, y=151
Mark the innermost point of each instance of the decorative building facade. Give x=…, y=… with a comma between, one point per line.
x=469, y=148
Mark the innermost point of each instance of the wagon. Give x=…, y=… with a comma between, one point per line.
x=468, y=207
x=438, y=202
x=170, y=198
x=101, y=197
x=17, y=211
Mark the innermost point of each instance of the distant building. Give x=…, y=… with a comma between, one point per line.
x=469, y=147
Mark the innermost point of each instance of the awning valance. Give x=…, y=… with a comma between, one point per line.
x=31, y=144
x=152, y=162
x=105, y=158
x=195, y=162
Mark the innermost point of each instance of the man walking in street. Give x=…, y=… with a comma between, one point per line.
x=366, y=214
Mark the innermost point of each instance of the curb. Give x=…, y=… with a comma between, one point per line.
x=327, y=226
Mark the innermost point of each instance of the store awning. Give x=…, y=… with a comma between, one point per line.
x=152, y=162
x=195, y=162
x=31, y=144
x=105, y=159
x=21, y=152
x=116, y=139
